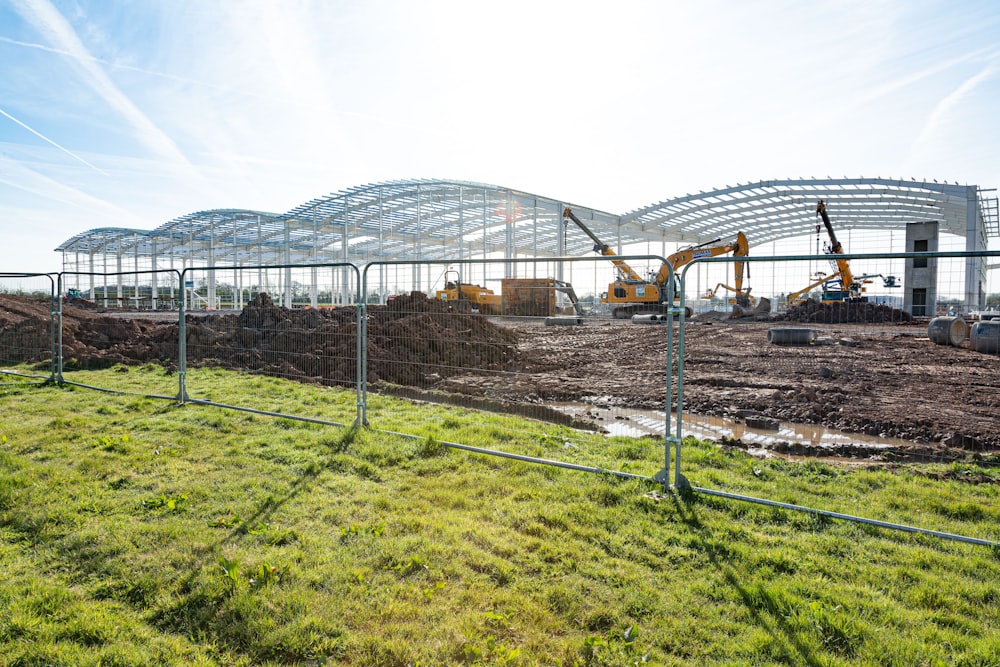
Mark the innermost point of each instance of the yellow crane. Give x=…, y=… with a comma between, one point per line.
x=842, y=285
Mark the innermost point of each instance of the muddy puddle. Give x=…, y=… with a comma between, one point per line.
x=782, y=438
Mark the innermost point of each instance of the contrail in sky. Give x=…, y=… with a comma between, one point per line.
x=941, y=110
x=206, y=84
x=45, y=18
x=47, y=140
x=131, y=68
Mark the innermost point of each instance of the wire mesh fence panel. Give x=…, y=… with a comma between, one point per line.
x=127, y=321
x=868, y=372
x=27, y=327
x=293, y=324
x=494, y=343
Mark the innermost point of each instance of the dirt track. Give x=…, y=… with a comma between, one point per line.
x=882, y=378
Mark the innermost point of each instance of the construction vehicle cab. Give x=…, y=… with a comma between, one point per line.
x=73, y=294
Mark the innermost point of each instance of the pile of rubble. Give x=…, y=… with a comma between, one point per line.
x=412, y=341
x=846, y=312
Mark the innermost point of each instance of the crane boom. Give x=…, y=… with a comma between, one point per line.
x=627, y=271
x=843, y=266
x=851, y=286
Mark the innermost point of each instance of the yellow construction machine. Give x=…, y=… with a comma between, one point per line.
x=743, y=296
x=842, y=284
x=519, y=297
x=631, y=294
x=468, y=297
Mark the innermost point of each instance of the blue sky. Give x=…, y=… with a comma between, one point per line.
x=134, y=112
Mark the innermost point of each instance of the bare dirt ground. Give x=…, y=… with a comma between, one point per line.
x=888, y=382
x=872, y=372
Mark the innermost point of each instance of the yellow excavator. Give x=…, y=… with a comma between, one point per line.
x=841, y=285
x=631, y=294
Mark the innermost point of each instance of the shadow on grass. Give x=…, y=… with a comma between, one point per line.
x=685, y=503
x=219, y=614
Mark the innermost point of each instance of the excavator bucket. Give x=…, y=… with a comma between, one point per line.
x=740, y=312
x=743, y=308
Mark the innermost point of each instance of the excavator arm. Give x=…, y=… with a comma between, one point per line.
x=632, y=293
x=627, y=272
x=740, y=248
x=797, y=296
x=741, y=293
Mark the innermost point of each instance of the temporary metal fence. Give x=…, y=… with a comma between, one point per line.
x=27, y=332
x=115, y=322
x=485, y=341
x=801, y=383
x=493, y=336
x=307, y=332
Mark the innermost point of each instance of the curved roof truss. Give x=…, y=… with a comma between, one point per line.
x=773, y=210
x=447, y=220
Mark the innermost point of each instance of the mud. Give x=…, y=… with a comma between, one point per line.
x=871, y=371
x=890, y=383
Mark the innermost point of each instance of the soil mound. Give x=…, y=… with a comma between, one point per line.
x=412, y=340
x=26, y=332
x=846, y=312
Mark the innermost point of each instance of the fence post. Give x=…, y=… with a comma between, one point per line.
x=361, y=338
x=680, y=481
x=56, y=323
x=182, y=342
x=362, y=332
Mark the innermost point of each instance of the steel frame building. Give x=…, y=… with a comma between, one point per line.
x=430, y=220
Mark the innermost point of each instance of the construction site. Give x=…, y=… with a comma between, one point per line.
x=890, y=383
x=493, y=314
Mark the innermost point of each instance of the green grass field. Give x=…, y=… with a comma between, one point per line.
x=135, y=531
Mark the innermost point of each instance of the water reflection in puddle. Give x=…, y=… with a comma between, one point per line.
x=637, y=423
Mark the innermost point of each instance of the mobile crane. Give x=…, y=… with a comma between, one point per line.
x=842, y=285
x=631, y=294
